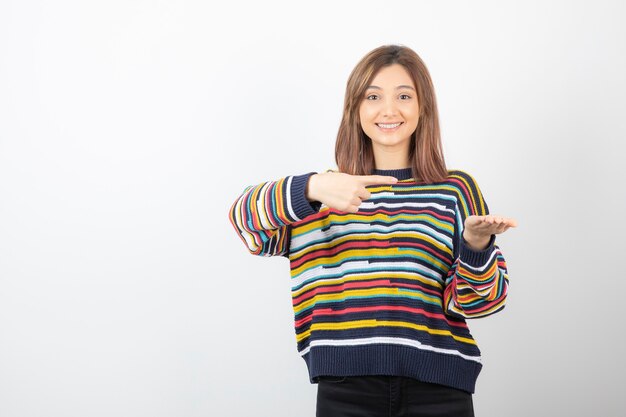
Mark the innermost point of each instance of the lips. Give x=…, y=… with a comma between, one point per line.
x=388, y=126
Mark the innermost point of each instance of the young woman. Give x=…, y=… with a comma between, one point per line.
x=389, y=254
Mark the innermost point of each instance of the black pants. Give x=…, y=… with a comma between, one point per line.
x=389, y=396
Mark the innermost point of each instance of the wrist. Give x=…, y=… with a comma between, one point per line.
x=476, y=242
x=310, y=187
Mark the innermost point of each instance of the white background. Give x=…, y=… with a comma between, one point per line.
x=128, y=128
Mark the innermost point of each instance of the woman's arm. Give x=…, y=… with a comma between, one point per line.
x=261, y=215
x=477, y=282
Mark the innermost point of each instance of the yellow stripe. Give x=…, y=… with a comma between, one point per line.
x=480, y=314
x=378, y=291
x=411, y=188
x=480, y=210
x=365, y=219
x=368, y=277
x=386, y=252
x=425, y=255
x=259, y=211
x=369, y=252
x=484, y=277
x=377, y=323
x=280, y=204
x=384, y=237
x=256, y=239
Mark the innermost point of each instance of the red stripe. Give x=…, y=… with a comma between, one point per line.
x=383, y=210
x=381, y=283
x=330, y=312
x=339, y=288
x=336, y=249
x=338, y=215
x=467, y=194
x=269, y=209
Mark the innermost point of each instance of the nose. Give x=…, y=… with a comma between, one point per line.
x=390, y=108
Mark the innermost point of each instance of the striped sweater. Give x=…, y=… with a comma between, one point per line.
x=386, y=290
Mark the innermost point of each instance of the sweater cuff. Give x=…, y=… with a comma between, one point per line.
x=476, y=258
x=301, y=206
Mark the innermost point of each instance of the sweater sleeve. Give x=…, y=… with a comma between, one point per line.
x=477, y=282
x=262, y=214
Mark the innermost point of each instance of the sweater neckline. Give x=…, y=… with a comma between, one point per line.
x=400, y=173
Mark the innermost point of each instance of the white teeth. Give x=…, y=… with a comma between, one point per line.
x=388, y=126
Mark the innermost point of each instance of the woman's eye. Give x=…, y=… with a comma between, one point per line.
x=372, y=97
x=408, y=97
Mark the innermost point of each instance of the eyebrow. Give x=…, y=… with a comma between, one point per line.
x=397, y=88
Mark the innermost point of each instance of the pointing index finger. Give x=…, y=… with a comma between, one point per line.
x=377, y=179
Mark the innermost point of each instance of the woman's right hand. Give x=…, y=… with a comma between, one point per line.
x=341, y=191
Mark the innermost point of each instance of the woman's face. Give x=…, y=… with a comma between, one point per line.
x=389, y=111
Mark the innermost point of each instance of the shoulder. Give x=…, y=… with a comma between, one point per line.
x=467, y=190
x=461, y=177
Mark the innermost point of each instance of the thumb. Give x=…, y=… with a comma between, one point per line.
x=377, y=179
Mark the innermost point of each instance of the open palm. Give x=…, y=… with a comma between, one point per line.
x=480, y=227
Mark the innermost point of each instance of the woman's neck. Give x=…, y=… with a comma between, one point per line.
x=391, y=158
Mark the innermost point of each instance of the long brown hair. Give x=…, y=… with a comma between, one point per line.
x=353, y=149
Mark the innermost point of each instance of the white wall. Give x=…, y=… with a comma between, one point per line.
x=127, y=128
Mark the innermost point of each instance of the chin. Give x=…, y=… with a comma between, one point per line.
x=388, y=142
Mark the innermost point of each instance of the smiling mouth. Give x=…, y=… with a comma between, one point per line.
x=388, y=126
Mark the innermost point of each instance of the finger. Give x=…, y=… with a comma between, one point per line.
x=474, y=220
x=377, y=179
x=502, y=230
x=485, y=229
x=356, y=201
x=364, y=194
x=495, y=219
x=505, y=220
